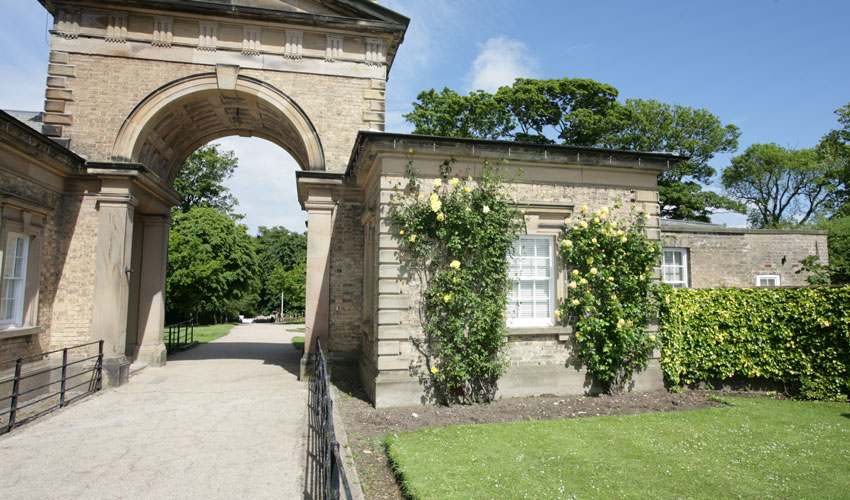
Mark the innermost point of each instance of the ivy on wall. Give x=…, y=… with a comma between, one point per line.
x=459, y=236
x=797, y=337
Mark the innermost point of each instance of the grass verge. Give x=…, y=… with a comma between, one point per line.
x=298, y=342
x=752, y=448
x=208, y=333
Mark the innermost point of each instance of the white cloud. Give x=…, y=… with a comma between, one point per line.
x=264, y=184
x=500, y=62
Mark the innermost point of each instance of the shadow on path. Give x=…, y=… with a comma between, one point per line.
x=281, y=354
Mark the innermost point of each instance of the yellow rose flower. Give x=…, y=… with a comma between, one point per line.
x=412, y=238
x=583, y=224
x=620, y=323
x=575, y=272
x=454, y=181
x=441, y=217
x=557, y=314
x=604, y=210
x=447, y=298
x=593, y=240
x=596, y=220
x=624, y=239
x=576, y=302
x=590, y=260
x=567, y=243
x=610, y=278
x=437, y=182
x=455, y=264
x=410, y=150
x=401, y=232
x=584, y=209
x=582, y=281
x=593, y=271
x=652, y=338
x=467, y=189
x=573, y=284
x=613, y=296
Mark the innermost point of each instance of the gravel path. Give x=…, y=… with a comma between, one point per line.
x=221, y=420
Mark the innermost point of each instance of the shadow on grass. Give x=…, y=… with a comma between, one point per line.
x=845, y=415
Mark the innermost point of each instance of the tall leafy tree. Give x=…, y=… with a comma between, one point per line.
x=783, y=187
x=200, y=179
x=293, y=284
x=279, y=250
x=650, y=125
x=449, y=114
x=212, y=266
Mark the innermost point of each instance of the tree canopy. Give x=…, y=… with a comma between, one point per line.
x=783, y=187
x=212, y=266
x=201, y=176
x=583, y=112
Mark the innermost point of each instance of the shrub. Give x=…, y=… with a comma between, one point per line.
x=798, y=337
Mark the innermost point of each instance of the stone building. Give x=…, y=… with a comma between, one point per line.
x=134, y=87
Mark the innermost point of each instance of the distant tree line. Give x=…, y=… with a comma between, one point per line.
x=775, y=186
x=216, y=270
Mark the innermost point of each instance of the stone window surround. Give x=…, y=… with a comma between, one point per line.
x=25, y=217
x=547, y=220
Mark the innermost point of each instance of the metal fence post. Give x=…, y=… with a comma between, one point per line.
x=64, y=376
x=16, y=385
x=99, y=365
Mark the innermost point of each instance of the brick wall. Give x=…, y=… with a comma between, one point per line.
x=346, y=279
x=732, y=258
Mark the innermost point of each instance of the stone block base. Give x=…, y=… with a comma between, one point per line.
x=116, y=371
x=403, y=389
x=152, y=355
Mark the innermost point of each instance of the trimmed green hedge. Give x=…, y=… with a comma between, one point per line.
x=798, y=337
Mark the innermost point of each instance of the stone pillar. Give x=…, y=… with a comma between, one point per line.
x=112, y=277
x=152, y=290
x=320, y=208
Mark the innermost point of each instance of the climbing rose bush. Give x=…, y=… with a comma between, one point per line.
x=458, y=237
x=609, y=260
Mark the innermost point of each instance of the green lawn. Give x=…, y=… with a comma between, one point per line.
x=752, y=448
x=298, y=342
x=207, y=333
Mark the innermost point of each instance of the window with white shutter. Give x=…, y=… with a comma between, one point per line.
x=531, y=300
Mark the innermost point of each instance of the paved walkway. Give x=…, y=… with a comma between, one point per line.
x=222, y=420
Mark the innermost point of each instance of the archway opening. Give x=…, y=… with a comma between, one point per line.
x=163, y=131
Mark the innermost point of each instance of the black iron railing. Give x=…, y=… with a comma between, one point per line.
x=36, y=401
x=179, y=335
x=330, y=473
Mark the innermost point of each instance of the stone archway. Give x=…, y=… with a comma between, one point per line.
x=160, y=133
x=176, y=119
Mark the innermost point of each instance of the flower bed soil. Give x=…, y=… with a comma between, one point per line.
x=366, y=426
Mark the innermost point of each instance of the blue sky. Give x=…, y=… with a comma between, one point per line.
x=775, y=68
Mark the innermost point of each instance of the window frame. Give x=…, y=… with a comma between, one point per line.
x=549, y=320
x=27, y=218
x=686, y=275
x=19, y=298
x=759, y=277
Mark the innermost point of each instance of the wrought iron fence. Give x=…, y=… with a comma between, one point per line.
x=68, y=389
x=330, y=474
x=179, y=335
